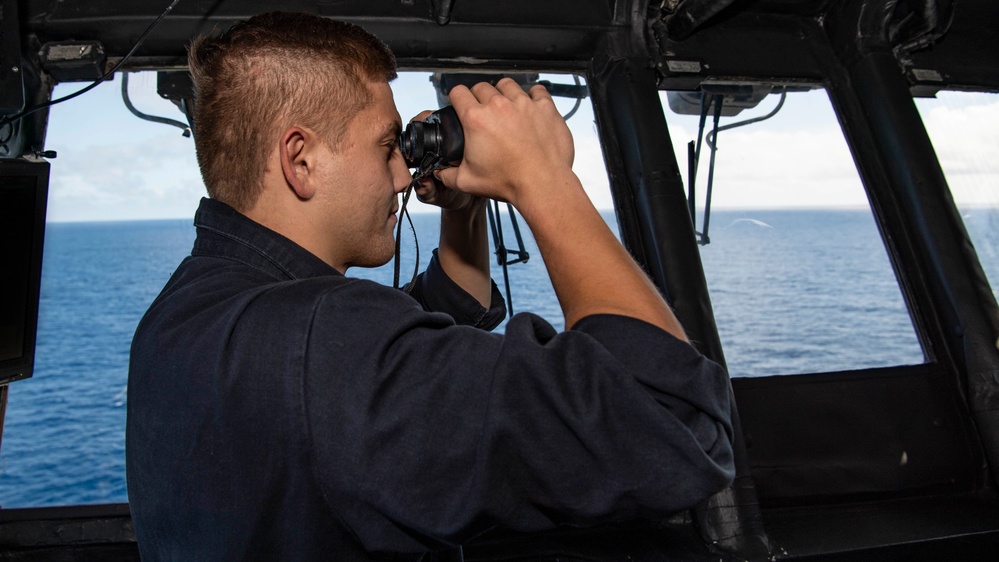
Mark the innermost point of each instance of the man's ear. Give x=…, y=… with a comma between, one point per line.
x=298, y=160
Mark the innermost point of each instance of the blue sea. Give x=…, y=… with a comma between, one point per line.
x=793, y=292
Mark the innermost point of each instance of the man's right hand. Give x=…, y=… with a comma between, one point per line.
x=519, y=149
x=514, y=140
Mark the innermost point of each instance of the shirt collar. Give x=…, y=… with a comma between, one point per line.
x=225, y=232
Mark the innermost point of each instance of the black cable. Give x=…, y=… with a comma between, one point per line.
x=182, y=104
x=427, y=166
x=522, y=254
x=579, y=101
x=705, y=105
x=691, y=173
x=146, y=116
x=404, y=211
x=502, y=253
x=107, y=75
x=710, y=139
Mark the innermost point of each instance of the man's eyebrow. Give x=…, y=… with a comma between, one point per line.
x=391, y=130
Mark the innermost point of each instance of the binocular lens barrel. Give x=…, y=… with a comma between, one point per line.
x=438, y=141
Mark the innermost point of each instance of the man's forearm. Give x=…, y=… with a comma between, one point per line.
x=464, y=249
x=518, y=149
x=572, y=237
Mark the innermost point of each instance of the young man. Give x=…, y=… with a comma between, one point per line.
x=279, y=410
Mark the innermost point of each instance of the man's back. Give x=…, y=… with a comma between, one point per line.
x=279, y=410
x=217, y=447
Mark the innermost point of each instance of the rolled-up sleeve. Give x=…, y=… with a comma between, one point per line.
x=436, y=292
x=426, y=433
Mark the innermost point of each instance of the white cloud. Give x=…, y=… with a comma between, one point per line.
x=798, y=159
x=113, y=166
x=783, y=169
x=154, y=178
x=589, y=162
x=963, y=128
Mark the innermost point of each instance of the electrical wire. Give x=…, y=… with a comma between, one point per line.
x=103, y=78
x=710, y=138
x=579, y=101
x=147, y=117
x=502, y=253
x=404, y=212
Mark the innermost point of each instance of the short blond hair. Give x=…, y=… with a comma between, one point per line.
x=270, y=72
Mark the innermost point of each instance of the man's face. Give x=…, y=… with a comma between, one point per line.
x=365, y=177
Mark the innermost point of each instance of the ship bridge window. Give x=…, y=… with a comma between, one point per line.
x=525, y=283
x=963, y=129
x=798, y=275
x=122, y=195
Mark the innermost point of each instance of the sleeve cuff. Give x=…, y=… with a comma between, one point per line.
x=627, y=338
x=437, y=292
x=661, y=361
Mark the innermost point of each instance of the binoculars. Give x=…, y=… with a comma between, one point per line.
x=434, y=143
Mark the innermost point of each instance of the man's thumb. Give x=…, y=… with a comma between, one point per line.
x=447, y=176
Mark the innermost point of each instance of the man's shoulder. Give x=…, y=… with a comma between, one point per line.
x=211, y=304
x=210, y=282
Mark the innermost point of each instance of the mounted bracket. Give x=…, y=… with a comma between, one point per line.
x=11, y=77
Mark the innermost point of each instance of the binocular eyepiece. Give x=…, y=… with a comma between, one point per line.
x=436, y=142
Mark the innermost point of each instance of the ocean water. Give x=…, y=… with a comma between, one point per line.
x=793, y=292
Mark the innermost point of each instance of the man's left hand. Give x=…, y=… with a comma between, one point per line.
x=432, y=192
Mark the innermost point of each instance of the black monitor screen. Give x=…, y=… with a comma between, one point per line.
x=23, y=187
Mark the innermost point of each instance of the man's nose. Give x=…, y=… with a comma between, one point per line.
x=401, y=178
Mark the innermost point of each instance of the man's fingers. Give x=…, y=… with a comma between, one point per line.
x=510, y=88
x=422, y=116
x=484, y=91
x=447, y=176
x=426, y=189
x=539, y=92
x=423, y=185
x=461, y=96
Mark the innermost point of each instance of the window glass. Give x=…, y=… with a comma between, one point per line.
x=798, y=275
x=962, y=127
x=122, y=196
x=530, y=288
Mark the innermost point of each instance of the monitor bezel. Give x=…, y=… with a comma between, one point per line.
x=18, y=368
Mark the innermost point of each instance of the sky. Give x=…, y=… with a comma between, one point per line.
x=114, y=166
